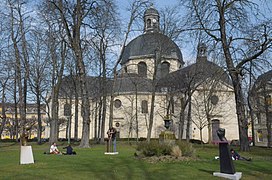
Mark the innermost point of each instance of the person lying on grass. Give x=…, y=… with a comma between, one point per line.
x=236, y=156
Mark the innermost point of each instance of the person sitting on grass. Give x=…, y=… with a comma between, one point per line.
x=236, y=156
x=54, y=149
x=69, y=150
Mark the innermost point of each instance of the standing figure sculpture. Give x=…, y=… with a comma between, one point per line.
x=112, y=138
x=24, y=135
x=226, y=164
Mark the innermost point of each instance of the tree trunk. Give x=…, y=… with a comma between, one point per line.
x=39, y=135
x=16, y=110
x=189, y=118
x=54, y=120
x=3, y=123
x=268, y=117
x=150, y=124
x=240, y=110
x=104, y=90
x=76, y=117
x=136, y=114
x=209, y=129
x=95, y=122
x=85, y=109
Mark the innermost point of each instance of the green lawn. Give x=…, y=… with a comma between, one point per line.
x=93, y=164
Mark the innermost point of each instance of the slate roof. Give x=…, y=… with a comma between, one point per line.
x=191, y=75
x=70, y=85
x=125, y=83
x=146, y=44
x=131, y=83
x=264, y=80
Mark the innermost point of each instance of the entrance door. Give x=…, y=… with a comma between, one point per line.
x=215, y=127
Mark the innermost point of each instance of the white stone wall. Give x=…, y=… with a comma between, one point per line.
x=224, y=111
x=126, y=115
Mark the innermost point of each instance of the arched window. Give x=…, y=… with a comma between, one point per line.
x=165, y=66
x=215, y=127
x=67, y=110
x=142, y=69
x=144, y=106
x=148, y=23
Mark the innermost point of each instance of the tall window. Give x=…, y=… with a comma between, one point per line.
x=165, y=66
x=142, y=69
x=67, y=110
x=144, y=106
x=215, y=127
x=148, y=24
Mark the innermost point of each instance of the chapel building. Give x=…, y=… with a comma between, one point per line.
x=198, y=99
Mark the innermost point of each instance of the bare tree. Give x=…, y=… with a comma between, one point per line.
x=241, y=40
x=38, y=73
x=72, y=17
x=55, y=56
x=18, y=36
x=106, y=30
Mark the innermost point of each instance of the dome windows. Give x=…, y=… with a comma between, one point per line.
x=142, y=69
x=165, y=68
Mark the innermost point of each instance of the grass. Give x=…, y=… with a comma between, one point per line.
x=93, y=164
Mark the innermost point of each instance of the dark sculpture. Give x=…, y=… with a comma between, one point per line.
x=226, y=164
x=221, y=134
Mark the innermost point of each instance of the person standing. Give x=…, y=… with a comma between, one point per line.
x=112, y=137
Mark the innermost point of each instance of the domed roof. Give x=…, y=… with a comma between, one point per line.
x=147, y=44
x=151, y=11
x=194, y=74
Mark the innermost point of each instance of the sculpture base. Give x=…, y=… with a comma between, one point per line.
x=235, y=176
x=112, y=153
x=26, y=155
x=167, y=137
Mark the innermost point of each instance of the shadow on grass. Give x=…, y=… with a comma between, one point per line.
x=7, y=144
x=206, y=171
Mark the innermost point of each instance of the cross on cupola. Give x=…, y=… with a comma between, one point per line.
x=151, y=20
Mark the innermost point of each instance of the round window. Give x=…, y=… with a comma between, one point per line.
x=214, y=99
x=117, y=103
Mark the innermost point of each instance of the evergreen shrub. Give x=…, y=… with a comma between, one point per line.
x=154, y=148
